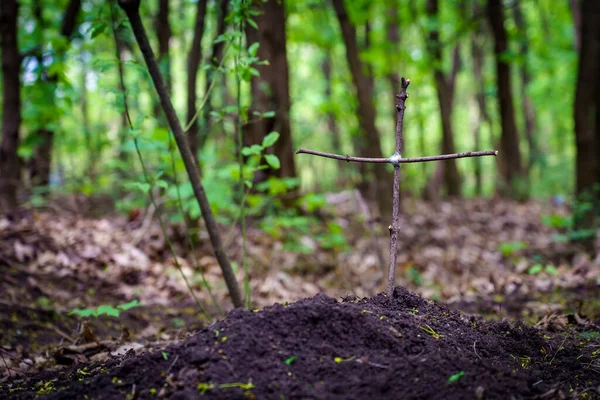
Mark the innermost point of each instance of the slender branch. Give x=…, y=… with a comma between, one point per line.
x=348, y=158
x=394, y=228
x=131, y=8
x=147, y=176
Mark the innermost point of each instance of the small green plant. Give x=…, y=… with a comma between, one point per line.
x=44, y=387
x=339, y=360
x=165, y=355
x=455, y=377
x=105, y=309
x=509, y=248
x=290, y=360
x=539, y=268
x=205, y=387
x=243, y=386
x=256, y=152
x=589, y=335
x=428, y=329
x=413, y=275
x=557, y=221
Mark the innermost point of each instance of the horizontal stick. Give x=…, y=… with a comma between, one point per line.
x=401, y=160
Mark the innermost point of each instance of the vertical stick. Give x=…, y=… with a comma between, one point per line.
x=394, y=228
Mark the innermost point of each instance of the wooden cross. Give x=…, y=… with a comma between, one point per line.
x=396, y=159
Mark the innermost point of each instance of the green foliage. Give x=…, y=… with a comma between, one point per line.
x=509, y=248
x=589, y=335
x=455, y=377
x=289, y=227
x=582, y=224
x=557, y=221
x=414, y=276
x=290, y=360
x=536, y=269
x=105, y=309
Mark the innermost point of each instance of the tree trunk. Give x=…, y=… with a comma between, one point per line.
x=528, y=109
x=369, y=142
x=512, y=170
x=87, y=130
x=41, y=163
x=330, y=115
x=368, y=66
x=576, y=11
x=478, y=56
x=193, y=63
x=445, y=92
x=164, y=33
x=587, y=101
x=10, y=172
x=215, y=59
x=163, y=36
x=120, y=47
x=270, y=91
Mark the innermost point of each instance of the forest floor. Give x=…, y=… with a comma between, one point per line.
x=537, y=298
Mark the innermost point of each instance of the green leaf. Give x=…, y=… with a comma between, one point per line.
x=455, y=377
x=130, y=305
x=25, y=152
x=535, y=269
x=165, y=355
x=253, y=49
x=141, y=186
x=273, y=161
x=97, y=29
x=551, y=270
x=104, y=64
x=252, y=23
x=162, y=184
x=290, y=360
x=83, y=313
x=252, y=150
x=270, y=139
x=268, y=114
x=509, y=248
x=108, y=310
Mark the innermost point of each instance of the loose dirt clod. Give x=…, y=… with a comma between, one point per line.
x=318, y=348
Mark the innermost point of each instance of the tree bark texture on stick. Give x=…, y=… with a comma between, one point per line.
x=131, y=8
x=394, y=228
x=10, y=172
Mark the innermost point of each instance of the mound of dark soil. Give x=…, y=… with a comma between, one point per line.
x=319, y=348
